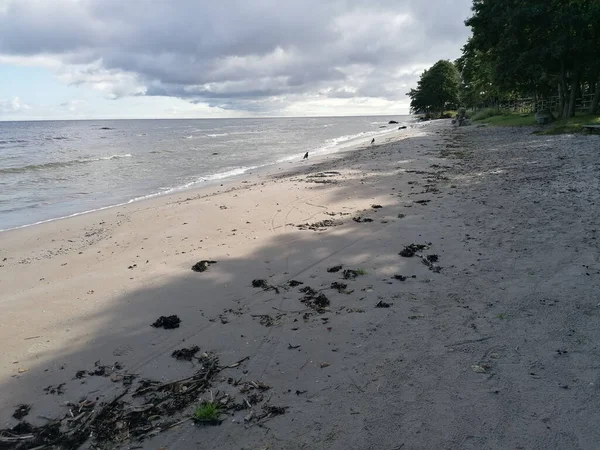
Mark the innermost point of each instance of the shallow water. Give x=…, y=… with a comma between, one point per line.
x=59, y=168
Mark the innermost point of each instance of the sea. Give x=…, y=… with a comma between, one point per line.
x=55, y=169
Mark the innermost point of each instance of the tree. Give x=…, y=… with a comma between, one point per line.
x=477, y=86
x=537, y=45
x=436, y=90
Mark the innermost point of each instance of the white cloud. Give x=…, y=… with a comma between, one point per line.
x=256, y=56
x=14, y=105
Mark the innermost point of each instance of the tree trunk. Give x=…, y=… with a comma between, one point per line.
x=573, y=94
x=564, y=91
x=561, y=98
x=596, y=100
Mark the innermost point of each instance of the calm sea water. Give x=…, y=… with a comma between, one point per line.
x=55, y=169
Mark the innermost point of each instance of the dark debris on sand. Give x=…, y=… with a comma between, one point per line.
x=59, y=389
x=430, y=261
x=314, y=300
x=167, y=322
x=360, y=219
x=131, y=416
x=335, y=269
x=134, y=415
x=202, y=266
x=101, y=370
x=410, y=250
x=350, y=274
x=294, y=283
x=399, y=277
x=340, y=287
x=383, y=304
x=21, y=411
x=262, y=284
x=376, y=206
x=320, y=226
x=185, y=354
x=268, y=321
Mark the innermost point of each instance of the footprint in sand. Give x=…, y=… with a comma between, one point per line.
x=38, y=347
x=122, y=350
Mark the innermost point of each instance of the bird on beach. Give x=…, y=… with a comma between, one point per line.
x=305, y=156
x=373, y=141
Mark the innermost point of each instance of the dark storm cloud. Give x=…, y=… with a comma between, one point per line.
x=235, y=53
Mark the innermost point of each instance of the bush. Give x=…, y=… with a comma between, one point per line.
x=487, y=113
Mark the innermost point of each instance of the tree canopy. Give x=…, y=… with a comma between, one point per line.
x=536, y=46
x=520, y=48
x=436, y=90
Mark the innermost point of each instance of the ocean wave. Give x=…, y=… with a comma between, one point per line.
x=13, y=141
x=57, y=138
x=60, y=164
x=217, y=134
x=339, y=143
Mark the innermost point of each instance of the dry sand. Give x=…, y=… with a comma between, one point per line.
x=498, y=349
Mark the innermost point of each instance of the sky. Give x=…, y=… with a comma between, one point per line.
x=92, y=59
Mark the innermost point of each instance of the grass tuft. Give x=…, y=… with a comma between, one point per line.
x=207, y=413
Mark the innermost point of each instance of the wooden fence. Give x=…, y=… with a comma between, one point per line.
x=529, y=105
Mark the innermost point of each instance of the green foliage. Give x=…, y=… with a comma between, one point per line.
x=571, y=125
x=437, y=89
x=361, y=272
x=532, y=47
x=487, y=113
x=510, y=120
x=207, y=413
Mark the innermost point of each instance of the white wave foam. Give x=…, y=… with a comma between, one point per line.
x=217, y=134
x=108, y=158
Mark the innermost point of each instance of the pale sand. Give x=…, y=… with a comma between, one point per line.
x=499, y=350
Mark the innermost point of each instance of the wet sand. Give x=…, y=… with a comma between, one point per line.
x=482, y=335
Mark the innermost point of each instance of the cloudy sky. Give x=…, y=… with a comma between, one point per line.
x=72, y=59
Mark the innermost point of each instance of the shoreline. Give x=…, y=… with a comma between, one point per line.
x=324, y=151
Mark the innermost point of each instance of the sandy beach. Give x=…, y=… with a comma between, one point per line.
x=484, y=334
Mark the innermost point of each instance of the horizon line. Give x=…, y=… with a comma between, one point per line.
x=202, y=118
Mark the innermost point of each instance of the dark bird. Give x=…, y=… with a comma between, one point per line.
x=305, y=156
x=373, y=141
